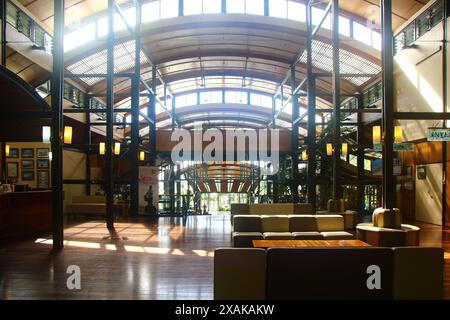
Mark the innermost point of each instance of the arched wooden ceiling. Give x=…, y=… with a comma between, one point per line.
x=77, y=10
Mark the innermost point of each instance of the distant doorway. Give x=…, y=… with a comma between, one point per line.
x=220, y=203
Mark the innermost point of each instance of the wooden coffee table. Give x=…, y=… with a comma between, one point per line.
x=308, y=243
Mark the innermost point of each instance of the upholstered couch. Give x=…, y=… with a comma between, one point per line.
x=302, y=227
x=351, y=218
x=328, y=273
x=87, y=205
x=272, y=209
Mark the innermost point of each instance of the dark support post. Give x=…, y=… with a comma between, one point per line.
x=180, y=8
x=311, y=140
x=152, y=115
x=88, y=152
x=274, y=177
x=360, y=155
x=388, y=104
x=295, y=137
x=135, y=108
x=4, y=173
x=3, y=36
x=109, y=178
x=445, y=110
x=224, y=6
x=57, y=125
x=337, y=189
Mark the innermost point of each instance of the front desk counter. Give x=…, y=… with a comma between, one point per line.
x=24, y=215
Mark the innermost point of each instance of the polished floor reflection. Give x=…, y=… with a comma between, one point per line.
x=142, y=259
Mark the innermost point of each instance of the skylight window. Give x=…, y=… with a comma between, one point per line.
x=362, y=33
x=235, y=6
x=296, y=11
x=186, y=100
x=169, y=8
x=278, y=8
x=236, y=97
x=102, y=27
x=344, y=26
x=254, y=7
x=317, y=15
x=150, y=11
x=261, y=100
x=376, y=40
x=207, y=97
x=193, y=7
x=212, y=6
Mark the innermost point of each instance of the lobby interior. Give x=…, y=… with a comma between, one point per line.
x=315, y=134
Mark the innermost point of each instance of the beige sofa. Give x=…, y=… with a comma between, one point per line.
x=87, y=205
x=293, y=227
x=272, y=209
x=328, y=273
x=351, y=218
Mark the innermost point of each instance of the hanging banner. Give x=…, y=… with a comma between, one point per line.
x=148, y=190
x=438, y=134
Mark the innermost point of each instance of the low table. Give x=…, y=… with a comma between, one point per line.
x=307, y=243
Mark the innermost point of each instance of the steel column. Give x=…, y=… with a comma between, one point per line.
x=88, y=142
x=360, y=155
x=311, y=88
x=295, y=137
x=135, y=110
x=152, y=115
x=57, y=125
x=388, y=104
x=445, y=110
x=337, y=188
x=109, y=170
x=3, y=35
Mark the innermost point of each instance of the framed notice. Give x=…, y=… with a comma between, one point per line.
x=28, y=164
x=43, y=153
x=28, y=175
x=13, y=153
x=43, y=180
x=27, y=153
x=12, y=169
x=43, y=164
x=397, y=167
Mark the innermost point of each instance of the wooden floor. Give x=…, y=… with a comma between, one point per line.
x=172, y=259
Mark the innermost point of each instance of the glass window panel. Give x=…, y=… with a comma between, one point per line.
x=102, y=27
x=278, y=8
x=169, y=9
x=344, y=26
x=150, y=11
x=192, y=7
x=254, y=7
x=212, y=6
x=376, y=40
x=86, y=34
x=211, y=97
x=317, y=15
x=296, y=11
x=70, y=41
x=236, y=97
x=361, y=33
x=235, y=6
x=118, y=23
x=11, y=14
x=130, y=16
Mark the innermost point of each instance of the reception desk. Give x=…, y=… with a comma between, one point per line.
x=24, y=215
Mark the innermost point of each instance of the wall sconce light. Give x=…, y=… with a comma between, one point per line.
x=7, y=150
x=46, y=134
x=101, y=148
x=329, y=149
x=376, y=135
x=68, y=135
x=305, y=156
x=117, y=148
x=50, y=156
x=345, y=149
x=398, y=134
x=142, y=156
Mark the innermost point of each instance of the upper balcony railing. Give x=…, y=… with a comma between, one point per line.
x=426, y=21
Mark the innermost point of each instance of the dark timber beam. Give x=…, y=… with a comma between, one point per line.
x=57, y=124
x=337, y=189
x=388, y=104
x=3, y=35
x=360, y=156
x=311, y=139
x=135, y=113
x=109, y=156
x=295, y=137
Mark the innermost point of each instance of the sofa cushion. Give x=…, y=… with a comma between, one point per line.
x=303, y=209
x=239, y=274
x=278, y=236
x=327, y=273
x=302, y=223
x=247, y=223
x=337, y=235
x=330, y=223
x=307, y=235
x=334, y=206
x=245, y=239
x=272, y=209
x=239, y=208
x=410, y=266
x=275, y=224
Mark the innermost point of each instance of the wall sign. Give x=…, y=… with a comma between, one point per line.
x=398, y=147
x=438, y=134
